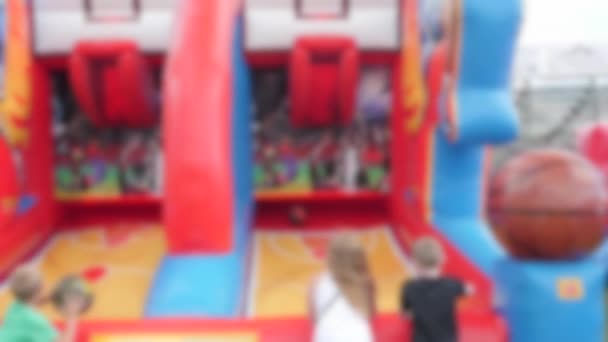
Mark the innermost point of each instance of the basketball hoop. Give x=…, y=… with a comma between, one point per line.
x=112, y=10
x=321, y=9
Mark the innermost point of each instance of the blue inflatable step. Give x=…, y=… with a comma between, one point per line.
x=197, y=286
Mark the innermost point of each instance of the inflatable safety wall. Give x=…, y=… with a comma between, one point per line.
x=25, y=186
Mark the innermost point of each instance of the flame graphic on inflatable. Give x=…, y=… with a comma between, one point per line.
x=15, y=105
x=412, y=77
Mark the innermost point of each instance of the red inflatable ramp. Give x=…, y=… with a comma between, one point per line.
x=199, y=210
x=324, y=73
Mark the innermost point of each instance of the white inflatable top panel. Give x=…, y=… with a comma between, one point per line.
x=59, y=24
x=273, y=25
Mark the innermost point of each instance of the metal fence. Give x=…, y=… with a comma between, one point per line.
x=552, y=111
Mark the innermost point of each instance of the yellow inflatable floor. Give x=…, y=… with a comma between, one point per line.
x=120, y=262
x=286, y=263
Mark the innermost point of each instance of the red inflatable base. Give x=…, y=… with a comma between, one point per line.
x=475, y=327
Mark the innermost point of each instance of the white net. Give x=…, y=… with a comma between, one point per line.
x=113, y=9
x=326, y=8
x=558, y=91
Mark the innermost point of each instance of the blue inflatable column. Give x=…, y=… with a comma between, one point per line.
x=485, y=114
x=550, y=302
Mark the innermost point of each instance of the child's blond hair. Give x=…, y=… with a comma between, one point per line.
x=428, y=253
x=25, y=283
x=350, y=270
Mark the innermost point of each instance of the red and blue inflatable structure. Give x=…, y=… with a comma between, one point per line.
x=440, y=159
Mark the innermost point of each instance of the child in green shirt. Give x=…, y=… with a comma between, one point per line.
x=23, y=322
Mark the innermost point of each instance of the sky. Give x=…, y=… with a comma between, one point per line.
x=565, y=22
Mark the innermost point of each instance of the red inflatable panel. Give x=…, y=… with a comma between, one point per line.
x=112, y=95
x=9, y=186
x=143, y=108
x=82, y=79
x=324, y=73
x=113, y=85
x=593, y=144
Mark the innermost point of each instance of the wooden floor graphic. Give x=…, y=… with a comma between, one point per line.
x=286, y=263
x=118, y=261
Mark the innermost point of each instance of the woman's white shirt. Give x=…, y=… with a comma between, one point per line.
x=336, y=319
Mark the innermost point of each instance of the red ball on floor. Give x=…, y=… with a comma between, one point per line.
x=298, y=215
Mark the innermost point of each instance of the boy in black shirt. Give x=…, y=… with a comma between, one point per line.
x=431, y=298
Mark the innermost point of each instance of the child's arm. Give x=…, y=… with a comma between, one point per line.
x=405, y=305
x=71, y=311
x=70, y=332
x=469, y=289
x=407, y=314
x=461, y=288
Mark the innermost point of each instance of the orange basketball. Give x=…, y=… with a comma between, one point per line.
x=548, y=205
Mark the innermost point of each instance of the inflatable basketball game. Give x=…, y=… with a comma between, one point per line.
x=210, y=261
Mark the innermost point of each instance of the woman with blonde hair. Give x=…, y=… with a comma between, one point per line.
x=342, y=298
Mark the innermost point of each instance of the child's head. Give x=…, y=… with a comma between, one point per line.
x=428, y=254
x=26, y=284
x=347, y=258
